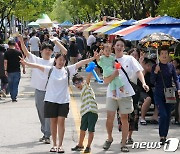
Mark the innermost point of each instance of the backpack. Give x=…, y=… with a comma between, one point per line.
x=49, y=74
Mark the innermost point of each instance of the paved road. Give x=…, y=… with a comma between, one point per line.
x=20, y=128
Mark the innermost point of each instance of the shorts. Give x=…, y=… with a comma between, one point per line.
x=144, y=95
x=125, y=105
x=88, y=121
x=54, y=110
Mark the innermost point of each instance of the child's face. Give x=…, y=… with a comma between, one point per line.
x=107, y=51
x=78, y=84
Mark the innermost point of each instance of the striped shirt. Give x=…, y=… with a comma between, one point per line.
x=88, y=100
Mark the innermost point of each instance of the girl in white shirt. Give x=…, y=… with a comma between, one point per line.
x=57, y=95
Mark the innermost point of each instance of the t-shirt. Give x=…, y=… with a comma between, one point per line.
x=57, y=90
x=91, y=39
x=34, y=43
x=107, y=64
x=38, y=78
x=12, y=57
x=131, y=66
x=88, y=103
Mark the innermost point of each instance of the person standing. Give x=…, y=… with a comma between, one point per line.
x=163, y=71
x=12, y=69
x=38, y=81
x=34, y=44
x=125, y=103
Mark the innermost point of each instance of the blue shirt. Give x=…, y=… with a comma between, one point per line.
x=168, y=72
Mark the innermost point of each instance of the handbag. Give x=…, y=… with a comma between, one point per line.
x=169, y=93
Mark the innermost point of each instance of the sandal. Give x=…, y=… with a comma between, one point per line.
x=53, y=149
x=124, y=149
x=107, y=144
x=77, y=148
x=129, y=141
x=87, y=150
x=60, y=150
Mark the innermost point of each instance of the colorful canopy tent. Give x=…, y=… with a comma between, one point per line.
x=164, y=20
x=164, y=24
x=44, y=21
x=66, y=24
x=139, y=24
x=95, y=26
x=122, y=26
x=110, y=25
x=173, y=30
x=83, y=27
x=75, y=27
x=33, y=24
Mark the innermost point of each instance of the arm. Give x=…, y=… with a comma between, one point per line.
x=154, y=74
x=32, y=65
x=24, y=49
x=141, y=78
x=88, y=78
x=111, y=77
x=175, y=78
x=83, y=62
x=5, y=67
x=61, y=47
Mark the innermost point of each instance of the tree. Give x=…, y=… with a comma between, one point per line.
x=172, y=8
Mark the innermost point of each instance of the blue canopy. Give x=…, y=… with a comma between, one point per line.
x=66, y=23
x=122, y=26
x=164, y=20
x=171, y=29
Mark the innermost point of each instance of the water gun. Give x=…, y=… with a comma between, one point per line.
x=90, y=68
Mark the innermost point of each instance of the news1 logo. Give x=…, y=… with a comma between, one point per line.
x=171, y=144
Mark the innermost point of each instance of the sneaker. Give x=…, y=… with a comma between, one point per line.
x=163, y=140
x=87, y=150
x=14, y=100
x=143, y=122
x=47, y=140
x=42, y=139
x=129, y=141
x=77, y=148
x=107, y=144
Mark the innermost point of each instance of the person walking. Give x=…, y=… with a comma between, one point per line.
x=125, y=103
x=38, y=81
x=12, y=69
x=57, y=95
x=163, y=71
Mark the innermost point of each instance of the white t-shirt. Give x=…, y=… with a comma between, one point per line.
x=38, y=78
x=56, y=48
x=131, y=66
x=34, y=43
x=91, y=39
x=57, y=90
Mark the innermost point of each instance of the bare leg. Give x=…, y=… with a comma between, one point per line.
x=109, y=124
x=145, y=107
x=54, y=130
x=90, y=139
x=81, y=138
x=125, y=128
x=130, y=134
x=61, y=130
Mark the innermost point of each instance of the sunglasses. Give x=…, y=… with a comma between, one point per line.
x=76, y=83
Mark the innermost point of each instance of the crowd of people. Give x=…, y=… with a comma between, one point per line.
x=56, y=56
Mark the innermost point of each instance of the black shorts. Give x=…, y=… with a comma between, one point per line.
x=54, y=110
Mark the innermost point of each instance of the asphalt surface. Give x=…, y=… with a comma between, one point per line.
x=20, y=127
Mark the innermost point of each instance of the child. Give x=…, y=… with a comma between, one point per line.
x=107, y=62
x=88, y=112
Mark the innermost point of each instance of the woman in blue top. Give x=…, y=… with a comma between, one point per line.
x=168, y=72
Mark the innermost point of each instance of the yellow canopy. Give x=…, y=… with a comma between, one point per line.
x=110, y=25
x=95, y=26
